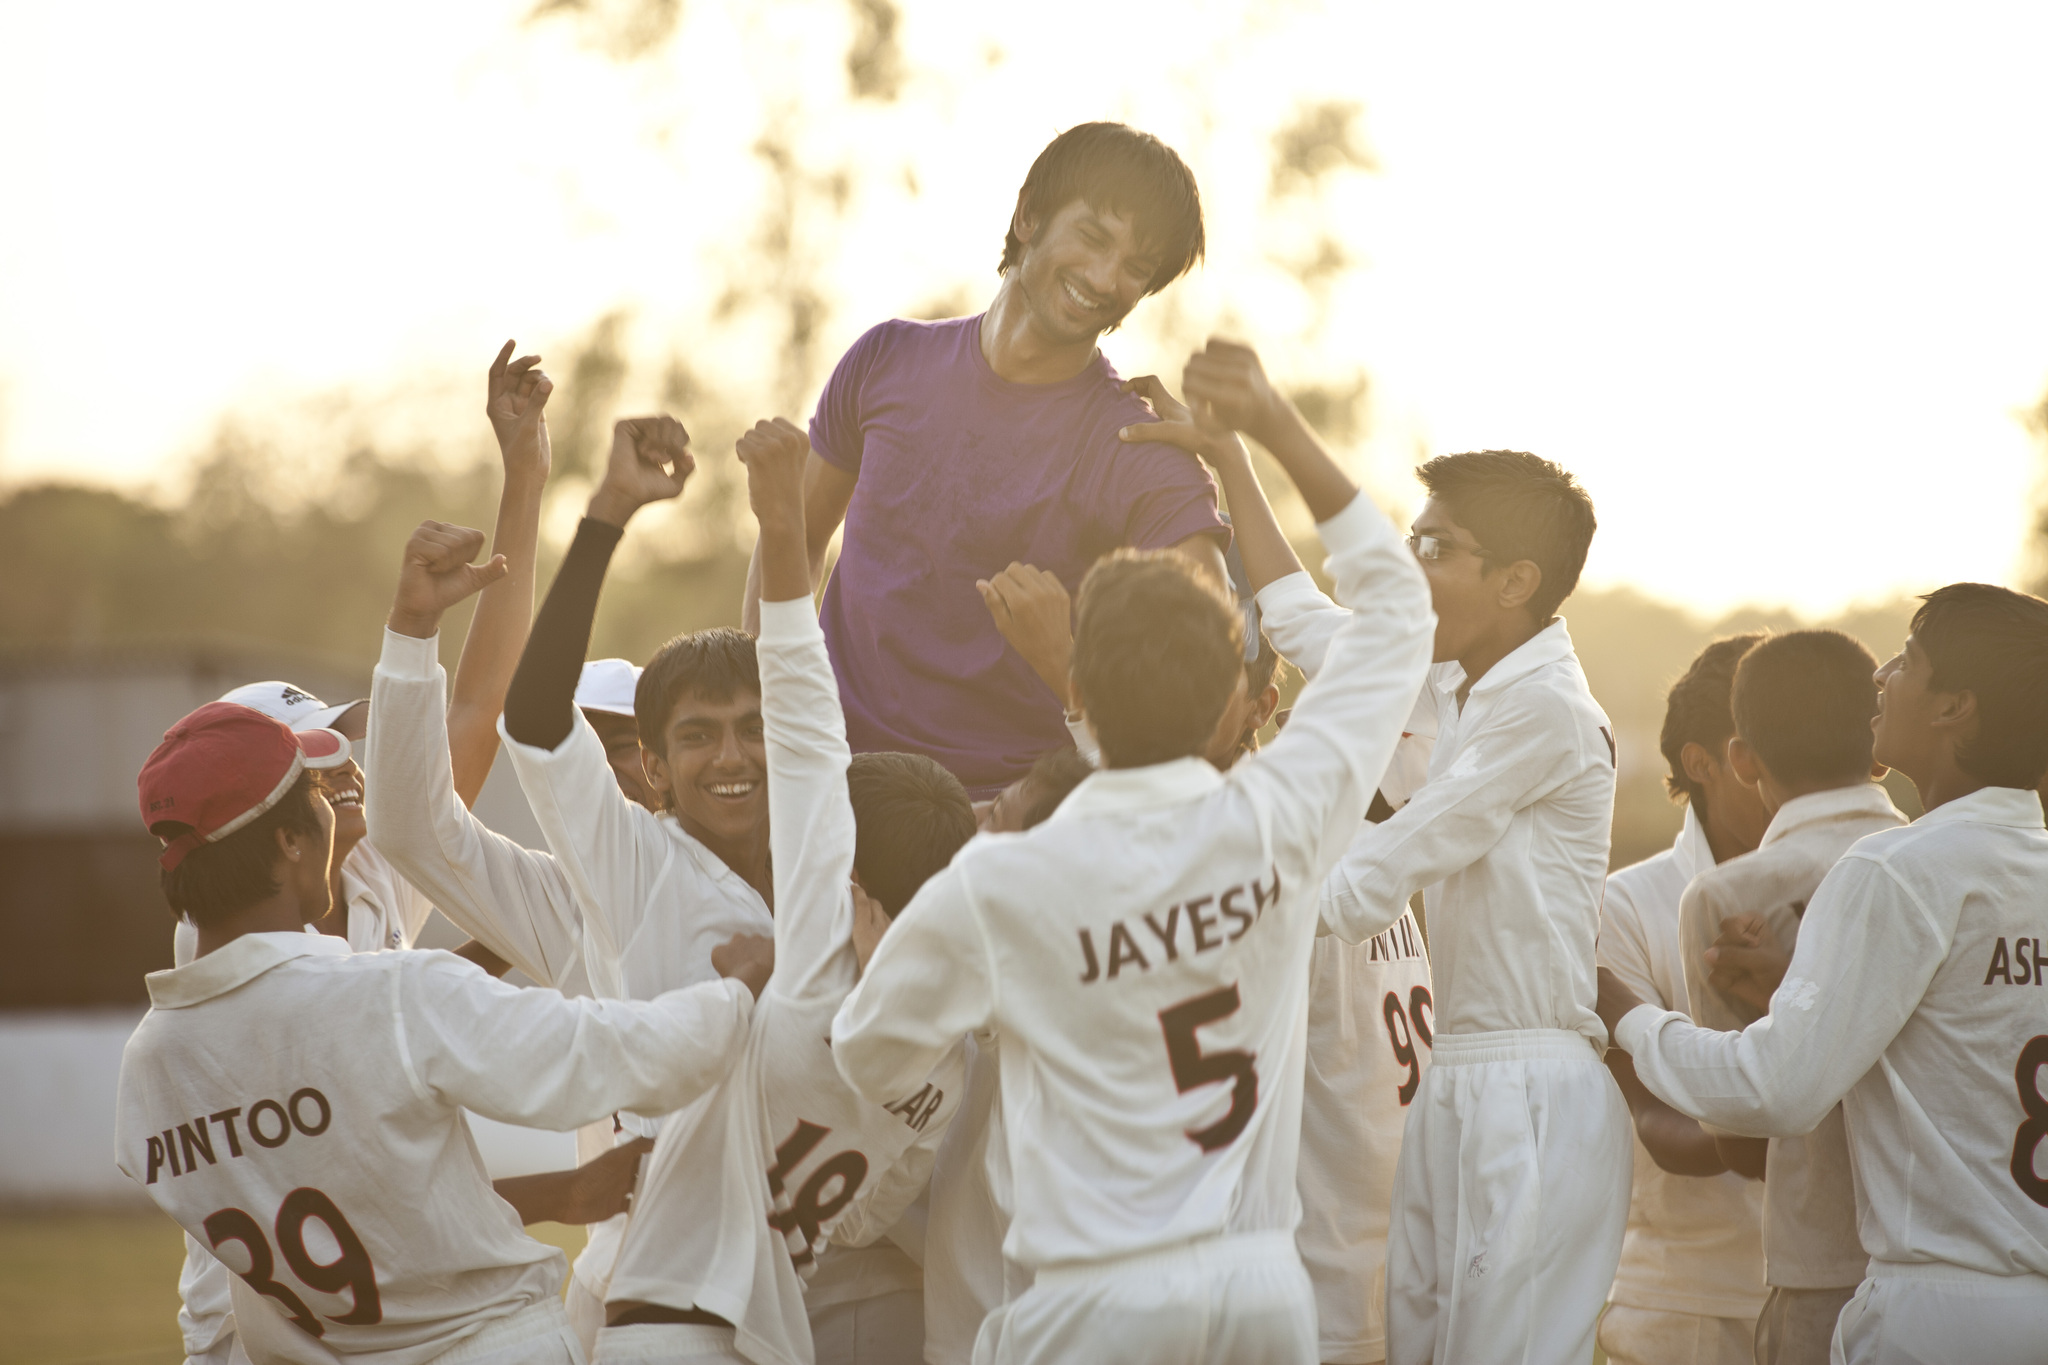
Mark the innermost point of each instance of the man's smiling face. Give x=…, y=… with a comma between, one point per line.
x=1083, y=271
x=714, y=768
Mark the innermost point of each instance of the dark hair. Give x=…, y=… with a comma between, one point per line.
x=1803, y=701
x=1992, y=642
x=1696, y=711
x=715, y=664
x=218, y=881
x=1114, y=167
x=1518, y=507
x=1157, y=653
x=910, y=817
x=1052, y=780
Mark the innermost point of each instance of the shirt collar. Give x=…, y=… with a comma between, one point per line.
x=2015, y=806
x=1865, y=798
x=235, y=964
x=1158, y=784
x=1546, y=646
x=1690, y=851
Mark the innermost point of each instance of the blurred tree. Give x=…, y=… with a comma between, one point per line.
x=2034, y=567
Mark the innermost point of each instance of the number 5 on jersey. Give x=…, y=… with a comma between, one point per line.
x=1192, y=1067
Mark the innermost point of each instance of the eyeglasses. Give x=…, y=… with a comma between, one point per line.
x=1432, y=548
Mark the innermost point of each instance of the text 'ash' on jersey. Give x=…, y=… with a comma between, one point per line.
x=1143, y=953
x=742, y=1190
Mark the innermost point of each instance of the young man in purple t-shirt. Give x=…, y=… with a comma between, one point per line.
x=953, y=449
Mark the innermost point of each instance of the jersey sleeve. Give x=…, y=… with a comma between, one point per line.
x=836, y=426
x=613, y=851
x=1867, y=950
x=1299, y=620
x=877, y=1215
x=1451, y=822
x=810, y=817
x=511, y=899
x=531, y=1057
x=928, y=983
x=1700, y=911
x=1313, y=784
x=1624, y=947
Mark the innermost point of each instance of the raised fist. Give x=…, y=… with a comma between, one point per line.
x=774, y=452
x=1178, y=425
x=650, y=462
x=437, y=572
x=1227, y=387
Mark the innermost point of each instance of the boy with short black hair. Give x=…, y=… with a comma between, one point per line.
x=280, y=1081
x=1505, y=1234
x=1142, y=953
x=1802, y=704
x=1906, y=1003
x=743, y=1190
x=1691, y=1279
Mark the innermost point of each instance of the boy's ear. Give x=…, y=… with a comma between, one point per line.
x=1742, y=760
x=655, y=767
x=1519, y=582
x=1269, y=701
x=1697, y=763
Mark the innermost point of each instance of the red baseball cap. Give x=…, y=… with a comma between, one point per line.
x=221, y=767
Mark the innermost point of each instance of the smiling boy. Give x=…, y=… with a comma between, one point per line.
x=952, y=449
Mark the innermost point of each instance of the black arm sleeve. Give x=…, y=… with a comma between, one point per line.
x=540, y=707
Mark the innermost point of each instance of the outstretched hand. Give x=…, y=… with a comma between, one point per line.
x=516, y=395
x=602, y=1187
x=749, y=958
x=437, y=572
x=1614, y=1001
x=1746, y=961
x=1034, y=613
x=1179, y=425
x=650, y=462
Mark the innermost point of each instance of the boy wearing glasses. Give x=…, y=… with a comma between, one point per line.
x=1511, y=1193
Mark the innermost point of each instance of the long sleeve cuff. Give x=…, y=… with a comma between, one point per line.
x=408, y=658
x=789, y=623
x=1635, y=1027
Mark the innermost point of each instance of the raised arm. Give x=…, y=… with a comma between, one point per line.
x=810, y=816
x=518, y=393
x=828, y=492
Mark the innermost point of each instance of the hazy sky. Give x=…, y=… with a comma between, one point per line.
x=1770, y=278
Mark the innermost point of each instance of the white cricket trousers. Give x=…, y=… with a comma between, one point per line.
x=538, y=1334
x=1510, y=1199
x=666, y=1343
x=1943, y=1315
x=1241, y=1300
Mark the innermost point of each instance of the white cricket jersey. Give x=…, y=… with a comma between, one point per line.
x=1694, y=1243
x=968, y=1277
x=1915, y=1000
x=649, y=901
x=1370, y=1024
x=298, y=1109
x=743, y=1189
x=1507, y=841
x=1142, y=955
x=1810, y=1239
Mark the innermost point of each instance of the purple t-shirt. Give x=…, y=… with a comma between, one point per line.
x=962, y=472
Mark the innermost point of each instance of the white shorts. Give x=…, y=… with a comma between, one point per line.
x=885, y=1329
x=586, y=1315
x=1510, y=1201
x=1654, y=1336
x=663, y=1342
x=1922, y=1314
x=1242, y=1300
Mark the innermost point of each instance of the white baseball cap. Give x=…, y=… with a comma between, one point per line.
x=295, y=706
x=607, y=685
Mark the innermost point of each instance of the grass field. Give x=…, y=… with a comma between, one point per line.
x=103, y=1287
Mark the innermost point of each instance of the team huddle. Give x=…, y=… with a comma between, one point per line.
x=946, y=970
